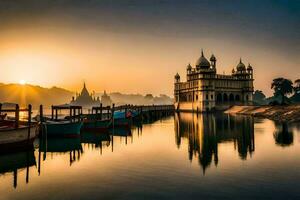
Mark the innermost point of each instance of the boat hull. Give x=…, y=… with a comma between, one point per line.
x=17, y=139
x=70, y=129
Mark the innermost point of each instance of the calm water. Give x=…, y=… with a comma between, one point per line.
x=180, y=157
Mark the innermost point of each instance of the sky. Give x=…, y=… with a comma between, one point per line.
x=137, y=46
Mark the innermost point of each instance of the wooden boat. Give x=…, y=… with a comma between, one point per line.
x=93, y=122
x=62, y=128
x=121, y=119
x=15, y=139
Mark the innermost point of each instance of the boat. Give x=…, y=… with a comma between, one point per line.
x=121, y=119
x=95, y=123
x=15, y=139
x=62, y=128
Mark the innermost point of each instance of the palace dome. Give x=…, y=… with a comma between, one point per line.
x=202, y=62
x=212, y=58
x=249, y=68
x=189, y=67
x=241, y=66
x=177, y=76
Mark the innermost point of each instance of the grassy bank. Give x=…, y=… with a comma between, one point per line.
x=289, y=113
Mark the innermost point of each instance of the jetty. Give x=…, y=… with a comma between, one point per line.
x=106, y=112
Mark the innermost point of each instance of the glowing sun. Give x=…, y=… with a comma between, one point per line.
x=22, y=82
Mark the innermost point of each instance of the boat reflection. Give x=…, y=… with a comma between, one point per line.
x=15, y=162
x=95, y=139
x=60, y=146
x=206, y=131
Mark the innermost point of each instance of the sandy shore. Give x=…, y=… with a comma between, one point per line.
x=289, y=113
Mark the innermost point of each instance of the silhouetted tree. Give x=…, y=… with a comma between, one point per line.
x=282, y=87
x=259, y=97
x=297, y=86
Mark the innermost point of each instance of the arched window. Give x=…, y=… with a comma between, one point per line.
x=219, y=97
x=225, y=97
x=231, y=97
x=237, y=98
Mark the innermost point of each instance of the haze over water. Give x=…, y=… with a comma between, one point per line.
x=180, y=157
x=126, y=45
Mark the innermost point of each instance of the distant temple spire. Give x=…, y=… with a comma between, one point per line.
x=85, y=98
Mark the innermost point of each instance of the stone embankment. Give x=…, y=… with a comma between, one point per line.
x=290, y=113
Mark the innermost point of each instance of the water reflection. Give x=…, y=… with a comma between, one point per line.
x=205, y=136
x=15, y=162
x=204, y=132
x=283, y=137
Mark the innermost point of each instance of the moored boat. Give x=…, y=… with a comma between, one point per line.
x=121, y=119
x=62, y=128
x=12, y=140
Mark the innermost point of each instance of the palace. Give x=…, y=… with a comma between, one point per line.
x=205, y=90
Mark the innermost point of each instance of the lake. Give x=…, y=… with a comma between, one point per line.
x=185, y=156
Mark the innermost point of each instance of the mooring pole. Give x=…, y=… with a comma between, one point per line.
x=17, y=115
x=100, y=111
x=29, y=121
x=52, y=113
x=113, y=126
x=41, y=113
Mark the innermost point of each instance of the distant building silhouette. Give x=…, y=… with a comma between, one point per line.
x=85, y=99
x=205, y=90
x=106, y=100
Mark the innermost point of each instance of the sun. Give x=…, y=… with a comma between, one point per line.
x=22, y=82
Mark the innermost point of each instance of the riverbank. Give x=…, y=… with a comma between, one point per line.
x=289, y=113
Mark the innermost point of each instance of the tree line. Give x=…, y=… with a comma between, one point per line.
x=285, y=92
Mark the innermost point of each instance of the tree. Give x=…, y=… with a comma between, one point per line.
x=259, y=97
x=149, y=96
x=282, y=87
x=297, y=86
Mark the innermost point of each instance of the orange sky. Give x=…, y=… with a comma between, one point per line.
x=139, y=57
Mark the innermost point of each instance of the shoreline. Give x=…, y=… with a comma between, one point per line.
x=286, y=113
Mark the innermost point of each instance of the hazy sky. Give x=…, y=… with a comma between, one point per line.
x=136, y=46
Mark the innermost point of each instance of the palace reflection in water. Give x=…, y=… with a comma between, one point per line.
x=240, y=147
x=205, y=131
